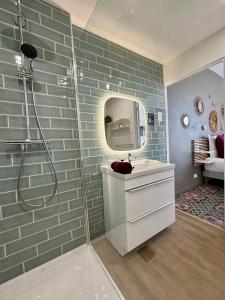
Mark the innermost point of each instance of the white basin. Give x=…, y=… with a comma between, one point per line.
x=144, y=164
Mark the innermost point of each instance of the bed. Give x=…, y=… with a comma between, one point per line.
x=214, y=168
x=204, y=154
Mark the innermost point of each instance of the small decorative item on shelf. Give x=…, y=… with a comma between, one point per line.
x=199, y=105
x=185, y=120
x=213, y=121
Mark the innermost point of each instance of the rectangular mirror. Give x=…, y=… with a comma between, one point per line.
x=124, y=124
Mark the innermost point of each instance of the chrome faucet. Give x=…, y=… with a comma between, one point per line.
x=130, y=156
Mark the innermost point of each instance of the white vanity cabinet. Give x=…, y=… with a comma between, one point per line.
x=139, y=205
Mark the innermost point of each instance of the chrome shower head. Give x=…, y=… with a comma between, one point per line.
x=29, y=51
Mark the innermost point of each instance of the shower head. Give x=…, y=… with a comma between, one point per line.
x=29, y=51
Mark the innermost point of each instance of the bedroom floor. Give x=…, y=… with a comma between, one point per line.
x=205, y=202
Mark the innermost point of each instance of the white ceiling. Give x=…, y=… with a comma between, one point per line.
x=157, y=29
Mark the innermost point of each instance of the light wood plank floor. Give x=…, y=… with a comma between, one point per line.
x=187, y=263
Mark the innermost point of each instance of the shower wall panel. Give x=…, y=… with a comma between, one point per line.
x=28, y=237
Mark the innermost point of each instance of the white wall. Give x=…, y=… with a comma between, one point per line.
x=196, y=58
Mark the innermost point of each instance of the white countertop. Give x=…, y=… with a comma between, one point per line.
x=141, y=168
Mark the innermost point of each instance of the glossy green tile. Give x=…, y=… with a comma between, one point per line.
x=50, y=211
x=7, y=30
x=63, y=197
x=99, y=42
x=7, y=198
x=26, y=242
x=38, y=6
x=12, y=171
x=41, y=259
x=132, y=85
x=17, y=258
x=61, y=166
x=71, y=144
x=9, y=235
x=55, y=25
x=59, y=91
x=63, y=123
x=66, y=155
x=40, y=180
x=69, y=185
x=8, y=6
x=16, y=221
x=68, y=113
x=56, y=58
x=71, y=215
x=61, y=17
x=73, y=244
x=91, y=48
x=74, y=204
x=11, y=273
x=64, y=50
x=62, y=228
x=17, y=84
x=59, y=133
x=7, y=17
x=73, y=174
x=11, y=109
x=38, y=226
x=30, y=14
x=10, y=185
x=54, y=242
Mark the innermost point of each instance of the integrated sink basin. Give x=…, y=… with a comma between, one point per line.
x=141, y=167
x=145, y=164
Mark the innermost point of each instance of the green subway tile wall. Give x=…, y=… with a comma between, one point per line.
x=29, y=238
x=106, y=69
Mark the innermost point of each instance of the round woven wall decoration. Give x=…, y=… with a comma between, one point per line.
x=213, y=121
x=199, y=105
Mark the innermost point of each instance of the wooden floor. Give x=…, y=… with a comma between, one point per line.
x=187, y=262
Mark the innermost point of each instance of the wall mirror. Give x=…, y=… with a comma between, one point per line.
x=124, y=124
x=199, y=105
x=185, y=120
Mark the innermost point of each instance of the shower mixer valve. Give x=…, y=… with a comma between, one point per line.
x=22, y=72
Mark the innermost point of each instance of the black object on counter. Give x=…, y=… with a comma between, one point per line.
x=122, y=167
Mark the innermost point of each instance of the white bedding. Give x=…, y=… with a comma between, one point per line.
x=214, y=164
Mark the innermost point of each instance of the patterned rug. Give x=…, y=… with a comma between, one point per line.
x=205, y=202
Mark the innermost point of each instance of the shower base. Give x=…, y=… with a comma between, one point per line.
x=77, y=275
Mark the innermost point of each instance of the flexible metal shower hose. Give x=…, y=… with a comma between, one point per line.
x=20, y=197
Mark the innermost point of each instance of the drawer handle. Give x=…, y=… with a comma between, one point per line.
x=149, y=212
x=147, y=185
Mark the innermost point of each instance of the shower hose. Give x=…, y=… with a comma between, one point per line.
x=19, y=178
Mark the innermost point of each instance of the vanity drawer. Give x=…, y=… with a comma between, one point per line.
x=148, y=178
x=146, y=198
x=142, y=229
